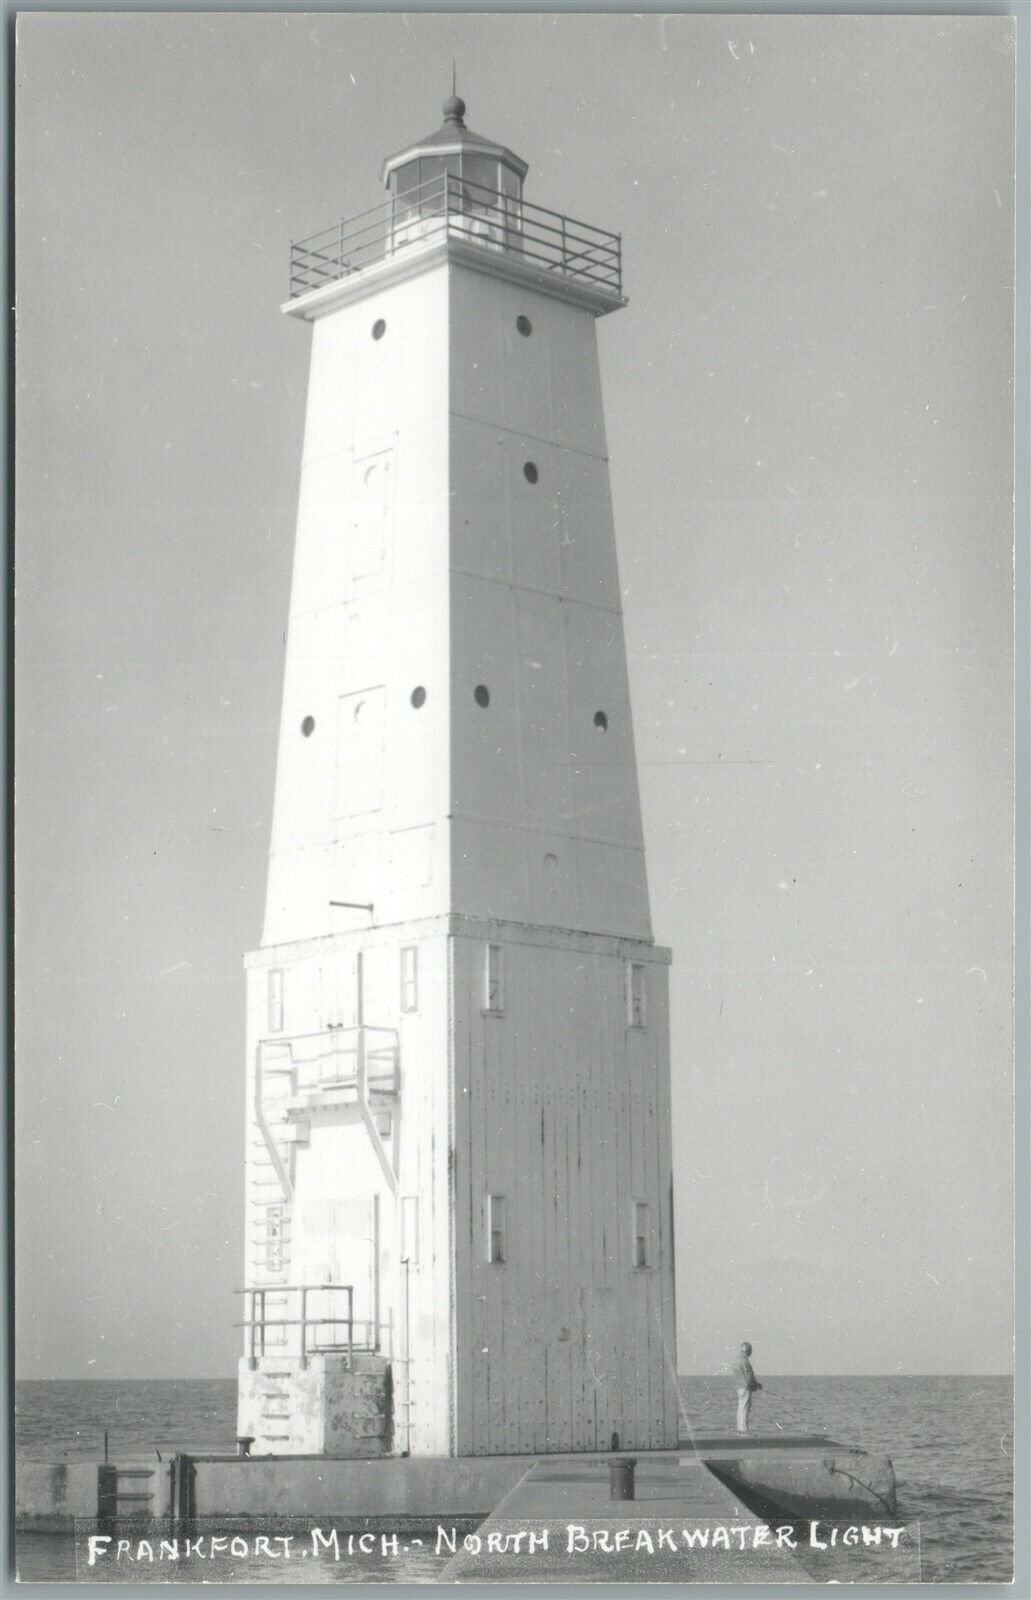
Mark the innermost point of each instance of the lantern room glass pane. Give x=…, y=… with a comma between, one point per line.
x=403, y=179
x=431, y=180
x=512, y=189
x=404, y=187
x=418, y=194
x=481, y=172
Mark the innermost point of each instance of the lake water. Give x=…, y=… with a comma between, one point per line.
x=951, y=1440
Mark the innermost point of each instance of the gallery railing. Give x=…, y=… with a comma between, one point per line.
x=452, y=207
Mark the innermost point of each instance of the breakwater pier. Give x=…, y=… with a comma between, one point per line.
x=715, y=1509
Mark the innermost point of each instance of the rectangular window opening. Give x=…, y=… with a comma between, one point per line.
x=636, y=1010
x=494, y=1228
x=642, y=1234
x=410, y=978
x=275, y=1000
x=493, y=980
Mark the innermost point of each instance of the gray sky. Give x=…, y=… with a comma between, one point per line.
x=808, y=405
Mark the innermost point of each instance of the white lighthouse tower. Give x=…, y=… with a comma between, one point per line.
x=459, y=1201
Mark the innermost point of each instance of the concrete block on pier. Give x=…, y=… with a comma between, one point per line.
x=47, y=1496
x=333, y=1406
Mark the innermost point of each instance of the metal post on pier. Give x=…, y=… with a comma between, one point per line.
x=621, y=1477
x=180, y=1486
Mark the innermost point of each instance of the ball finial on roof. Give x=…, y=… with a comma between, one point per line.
x=454, y=106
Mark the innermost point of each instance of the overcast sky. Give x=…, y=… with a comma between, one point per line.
x=808, y=405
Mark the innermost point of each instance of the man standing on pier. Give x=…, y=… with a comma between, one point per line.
x=747, y=1384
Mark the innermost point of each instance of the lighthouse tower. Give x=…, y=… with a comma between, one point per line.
x=459, y=1200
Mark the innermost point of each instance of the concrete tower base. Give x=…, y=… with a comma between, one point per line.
x=330, y=1406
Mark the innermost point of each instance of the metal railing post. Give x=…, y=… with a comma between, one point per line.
x=367, y=1337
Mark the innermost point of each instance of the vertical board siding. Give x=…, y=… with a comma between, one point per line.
x=565, y=1111
x=465, y=975
x=557, y=1105
x=425, y=1173
x=671, y=1408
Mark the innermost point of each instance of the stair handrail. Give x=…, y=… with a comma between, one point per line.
x=336, y=1038
x=257, y=1322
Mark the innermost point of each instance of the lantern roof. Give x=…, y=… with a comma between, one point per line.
x=451, y=138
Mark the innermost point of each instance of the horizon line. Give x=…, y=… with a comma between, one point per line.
x=231, y=1377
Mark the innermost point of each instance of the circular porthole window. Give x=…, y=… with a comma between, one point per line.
x=418, y=697
x=525, y=326
x=481, y=694
x=379, y=328
x=308, y=727
x=530, y=472
x=601, y=722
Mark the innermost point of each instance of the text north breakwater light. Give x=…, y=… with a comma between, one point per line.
x=571, y=1539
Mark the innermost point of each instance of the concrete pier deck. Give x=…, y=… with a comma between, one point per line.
x=781, y=1477
x=593, y=1538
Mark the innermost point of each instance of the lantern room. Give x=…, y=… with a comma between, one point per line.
x=459, y=173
